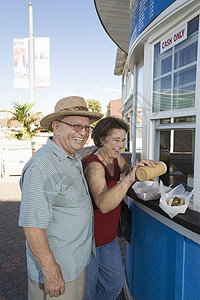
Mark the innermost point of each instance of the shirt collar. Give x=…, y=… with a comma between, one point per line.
x=59, y=151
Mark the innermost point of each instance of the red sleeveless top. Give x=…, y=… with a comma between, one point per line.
x=105, y=225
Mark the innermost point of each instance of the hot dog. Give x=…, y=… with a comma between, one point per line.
x=175, y=201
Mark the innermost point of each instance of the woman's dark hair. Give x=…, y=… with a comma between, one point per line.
x=104, y=128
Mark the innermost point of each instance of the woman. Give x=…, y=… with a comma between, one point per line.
x=104, y=274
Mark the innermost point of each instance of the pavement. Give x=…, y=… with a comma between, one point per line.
x=13, y=273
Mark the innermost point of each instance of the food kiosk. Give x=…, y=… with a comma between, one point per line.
x=158, y=59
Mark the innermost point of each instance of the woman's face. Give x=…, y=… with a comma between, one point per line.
x=114, y=143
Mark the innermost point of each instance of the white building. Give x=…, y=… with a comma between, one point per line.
x=158, y=58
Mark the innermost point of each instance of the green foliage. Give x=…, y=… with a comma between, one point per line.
x=19, y=135
x=108, y=110
x=94, y=105
x=23, y=114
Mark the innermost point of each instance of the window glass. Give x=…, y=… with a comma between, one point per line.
x=185, y=56
x=177, y=151
x=156, y=57
x=193, y=26
x=184, y=88
x=178, y=120
x=140, y=106
x=162, y=100
x=174, y=83
x=166, y=65
x=185, y=77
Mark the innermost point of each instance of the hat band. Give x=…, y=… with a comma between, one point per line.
x=75, y=108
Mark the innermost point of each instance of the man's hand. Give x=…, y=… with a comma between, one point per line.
x=54, y=284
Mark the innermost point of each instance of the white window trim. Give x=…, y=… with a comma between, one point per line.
x=196, y=201
x=174, y=113
x=176, y=126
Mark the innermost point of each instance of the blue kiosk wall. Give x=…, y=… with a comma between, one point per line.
x=160, y=264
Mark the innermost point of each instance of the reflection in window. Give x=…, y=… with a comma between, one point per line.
x=185, y=56
x=184, y=88
x=185, y=77
x=162, y=100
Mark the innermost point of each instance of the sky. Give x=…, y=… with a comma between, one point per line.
x=82, y=55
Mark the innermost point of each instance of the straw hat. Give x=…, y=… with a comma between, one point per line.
x=70, y=106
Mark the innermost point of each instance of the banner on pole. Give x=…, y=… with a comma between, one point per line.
x=21, y=66
x=42, y=62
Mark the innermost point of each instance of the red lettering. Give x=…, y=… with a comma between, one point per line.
x=179, y=35
x=167, y=43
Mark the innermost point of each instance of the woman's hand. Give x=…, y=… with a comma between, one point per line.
x=145, y=162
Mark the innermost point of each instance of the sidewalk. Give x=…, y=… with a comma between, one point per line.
x=9, y=189
x=13, y=274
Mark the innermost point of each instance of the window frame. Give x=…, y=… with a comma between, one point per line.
x=171, y=52
x=156, y=117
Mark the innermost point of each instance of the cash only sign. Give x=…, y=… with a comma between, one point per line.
x=173, y=38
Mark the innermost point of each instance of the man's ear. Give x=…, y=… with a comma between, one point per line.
x=55, y=126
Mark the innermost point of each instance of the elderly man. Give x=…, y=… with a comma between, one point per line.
x=56, y=210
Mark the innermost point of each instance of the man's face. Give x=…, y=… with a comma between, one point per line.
x=69, y=138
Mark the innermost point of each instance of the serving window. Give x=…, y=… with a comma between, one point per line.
x=177, y=151
x=174, y=107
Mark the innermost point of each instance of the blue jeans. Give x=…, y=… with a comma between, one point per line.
x=104, y=274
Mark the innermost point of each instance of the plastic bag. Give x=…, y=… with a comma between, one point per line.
x=178, y=191
x=147, y=190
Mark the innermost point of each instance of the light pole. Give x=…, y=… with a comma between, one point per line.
x=31, y=53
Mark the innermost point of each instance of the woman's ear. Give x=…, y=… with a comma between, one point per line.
x=102, y=141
